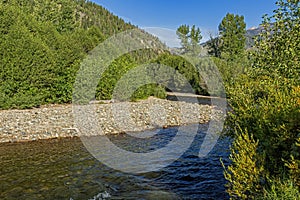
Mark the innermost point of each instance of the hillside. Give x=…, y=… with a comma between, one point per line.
x=47, y=40
x=69, y=15
x=43, y=46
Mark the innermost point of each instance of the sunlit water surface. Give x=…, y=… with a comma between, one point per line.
x=64, y=169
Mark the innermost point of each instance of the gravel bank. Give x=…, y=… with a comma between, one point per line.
x=55, y=121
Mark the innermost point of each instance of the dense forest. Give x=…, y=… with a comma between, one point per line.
x=43, y=43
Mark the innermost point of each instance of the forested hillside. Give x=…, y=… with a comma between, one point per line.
x=42, y=44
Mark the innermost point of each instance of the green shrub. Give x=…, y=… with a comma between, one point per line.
x=281, y=190
x=243, y=174
x=294, y=164
x=182, y=66
x=268, y=109
x=149, y=90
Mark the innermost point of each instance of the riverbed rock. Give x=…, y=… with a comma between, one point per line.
x=54, y=121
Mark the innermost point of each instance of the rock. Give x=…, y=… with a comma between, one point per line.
x=56, y=121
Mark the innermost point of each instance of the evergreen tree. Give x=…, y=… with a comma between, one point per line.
x=232, y=32
x=195, y=37
x=183, y=34
x=190, y=38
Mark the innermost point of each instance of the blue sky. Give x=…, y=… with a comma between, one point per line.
x=206, y=14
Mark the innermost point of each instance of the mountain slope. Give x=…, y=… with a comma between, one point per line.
x=42, y=44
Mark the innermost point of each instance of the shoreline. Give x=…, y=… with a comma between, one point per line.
x=77, y=137
x=57, y=121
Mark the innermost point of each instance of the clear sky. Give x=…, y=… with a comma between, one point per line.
x=206, y=14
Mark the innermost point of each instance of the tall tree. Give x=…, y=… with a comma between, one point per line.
x=232, y=32
x=195, y=37
x=183, y=34
x=266, y=103
x=190, y=38
x=278, y=45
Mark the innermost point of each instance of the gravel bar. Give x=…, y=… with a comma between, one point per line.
x=57, y=121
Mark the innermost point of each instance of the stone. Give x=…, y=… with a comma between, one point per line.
x=56, y=121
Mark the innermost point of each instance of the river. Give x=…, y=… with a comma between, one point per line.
x=64, y=169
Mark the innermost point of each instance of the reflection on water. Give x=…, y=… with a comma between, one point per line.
x=64, y=169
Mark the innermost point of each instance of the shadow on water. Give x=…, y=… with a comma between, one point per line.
x=64, y=169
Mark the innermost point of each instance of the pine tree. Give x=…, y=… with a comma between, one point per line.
x=195, y=36
x=232, y=31
x=190, y=38
x=183, y=34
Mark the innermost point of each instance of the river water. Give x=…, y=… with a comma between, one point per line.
x=64, y=169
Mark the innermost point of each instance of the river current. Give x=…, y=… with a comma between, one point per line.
x=64, y=169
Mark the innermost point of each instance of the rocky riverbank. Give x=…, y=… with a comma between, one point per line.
x=55, y=121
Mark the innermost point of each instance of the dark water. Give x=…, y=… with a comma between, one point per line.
x=64, y=169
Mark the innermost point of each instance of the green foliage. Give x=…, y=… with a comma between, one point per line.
x=20, y=74
x=231, y=69
x=294, y=164
x=195, y=36
x=232, y=32
x=265, y=101
x=281, y=190
x=186, y=69
x=149, y=90
x=190, y=38
x=228, y=49
x=269, y=110
x=278, y=46
x=43, y=46
x=121, y=66
x=213, y=46
x=244, y=173
x=183, y=34
x=111, y=76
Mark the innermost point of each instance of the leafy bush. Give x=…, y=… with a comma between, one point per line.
x=281, y=190
x=244, y=173
x=294, y=164
x=185, y=68
x=265, y=101
x=268, y=109
x=149, y=90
